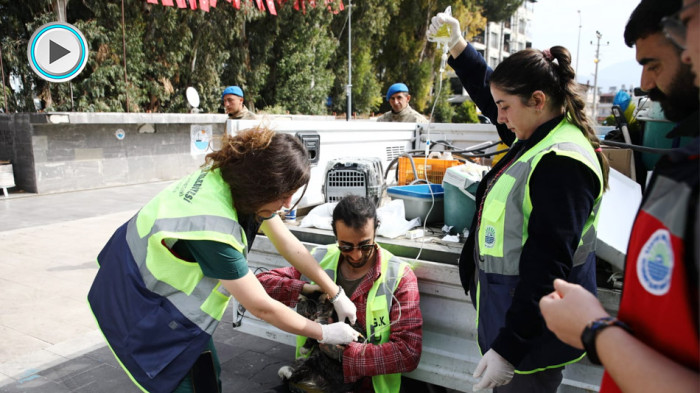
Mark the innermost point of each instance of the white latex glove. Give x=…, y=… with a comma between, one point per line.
x=339, y=333
x=345, y=308
x=455, y=32
x=498, y=371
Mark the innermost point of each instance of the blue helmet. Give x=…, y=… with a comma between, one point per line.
x=396, y=88
x=235, y=90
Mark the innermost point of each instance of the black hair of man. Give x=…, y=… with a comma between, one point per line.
x=645, y=20
x=354, y=211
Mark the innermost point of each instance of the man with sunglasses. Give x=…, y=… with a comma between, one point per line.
x=654, y=343
x=382, y=286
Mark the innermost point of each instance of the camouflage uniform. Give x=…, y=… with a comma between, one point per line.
x=407, y=115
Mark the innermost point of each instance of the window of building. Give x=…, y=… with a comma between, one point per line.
x=521, y=26
x=493, y=40
x=493, y=62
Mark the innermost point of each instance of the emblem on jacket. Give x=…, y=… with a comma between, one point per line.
x=490, y=237
x=655, y=263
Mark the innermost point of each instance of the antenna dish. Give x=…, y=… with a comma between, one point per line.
x=192, y=97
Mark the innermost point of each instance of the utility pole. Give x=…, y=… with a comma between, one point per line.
x=578, y=46
x=60, y=8
x=349, y=86
x=126, y=80
x=595, y=77
x=4, y=93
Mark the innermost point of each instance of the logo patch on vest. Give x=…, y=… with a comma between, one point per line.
x=490, y=237
x=655, y=263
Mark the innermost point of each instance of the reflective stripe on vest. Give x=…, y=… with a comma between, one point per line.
x=504, y=230
x=379, y=302
x=156, y=311
x=202, y=300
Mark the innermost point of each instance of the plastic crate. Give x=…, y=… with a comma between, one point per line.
x=435, y=169
x=354, y=176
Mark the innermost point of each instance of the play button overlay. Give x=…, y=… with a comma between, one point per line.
x=57, y=52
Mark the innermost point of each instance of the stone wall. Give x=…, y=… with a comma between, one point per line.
x=59, y=152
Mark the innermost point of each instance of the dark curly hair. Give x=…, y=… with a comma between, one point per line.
x=260, y=166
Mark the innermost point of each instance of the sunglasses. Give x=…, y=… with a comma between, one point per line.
x=673, y=27
x=365, y=249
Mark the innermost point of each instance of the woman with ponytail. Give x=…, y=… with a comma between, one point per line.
x=167, y=275
x=537, y=210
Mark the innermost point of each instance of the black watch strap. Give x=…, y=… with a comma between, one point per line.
x=591, y=331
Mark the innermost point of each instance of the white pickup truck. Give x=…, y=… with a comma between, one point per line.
x=450, y=352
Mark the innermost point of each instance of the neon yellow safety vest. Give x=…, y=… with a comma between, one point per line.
x=198, y=207
x=157, y=311
x=379, y=300
x=504, y=230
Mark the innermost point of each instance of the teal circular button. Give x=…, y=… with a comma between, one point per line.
x=57, y=52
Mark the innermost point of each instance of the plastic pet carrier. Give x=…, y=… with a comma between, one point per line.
x=354, y=176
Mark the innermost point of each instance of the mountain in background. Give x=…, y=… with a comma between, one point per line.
x=626, y=73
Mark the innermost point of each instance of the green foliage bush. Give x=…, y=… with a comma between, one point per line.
x=466, y=113
x=294, y=60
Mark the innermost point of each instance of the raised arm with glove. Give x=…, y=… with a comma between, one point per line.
x=457, y=42
x=472, y=71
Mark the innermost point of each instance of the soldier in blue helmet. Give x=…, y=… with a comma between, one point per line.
x=398, y=98
x=232, y=100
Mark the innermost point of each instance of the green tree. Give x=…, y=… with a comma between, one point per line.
x=302, y=76
x=499, y=10
x=292, y=61
x=18, y=20
x=466, y=113
x=444, y=111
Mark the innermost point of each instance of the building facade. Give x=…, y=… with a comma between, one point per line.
x=497, y=41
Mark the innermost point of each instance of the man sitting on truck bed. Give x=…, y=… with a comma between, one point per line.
x=382, y=286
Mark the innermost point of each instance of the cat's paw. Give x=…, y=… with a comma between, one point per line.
x=285, y=372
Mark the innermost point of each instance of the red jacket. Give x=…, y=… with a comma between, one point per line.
x=660, y=296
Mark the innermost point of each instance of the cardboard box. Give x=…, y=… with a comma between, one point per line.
x=620, y=160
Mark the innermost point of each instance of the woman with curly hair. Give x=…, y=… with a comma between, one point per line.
x=166, y=276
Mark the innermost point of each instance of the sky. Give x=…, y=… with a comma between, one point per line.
x=556, y=22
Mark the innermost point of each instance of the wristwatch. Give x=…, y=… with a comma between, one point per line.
x=591, y=332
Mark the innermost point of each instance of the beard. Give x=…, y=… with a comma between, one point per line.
x=682, y=97
x=363, y=260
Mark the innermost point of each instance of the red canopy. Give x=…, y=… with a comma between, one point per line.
x=205, y=5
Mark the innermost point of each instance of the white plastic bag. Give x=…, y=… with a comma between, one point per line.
x=392, y=221
x=320, y=217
